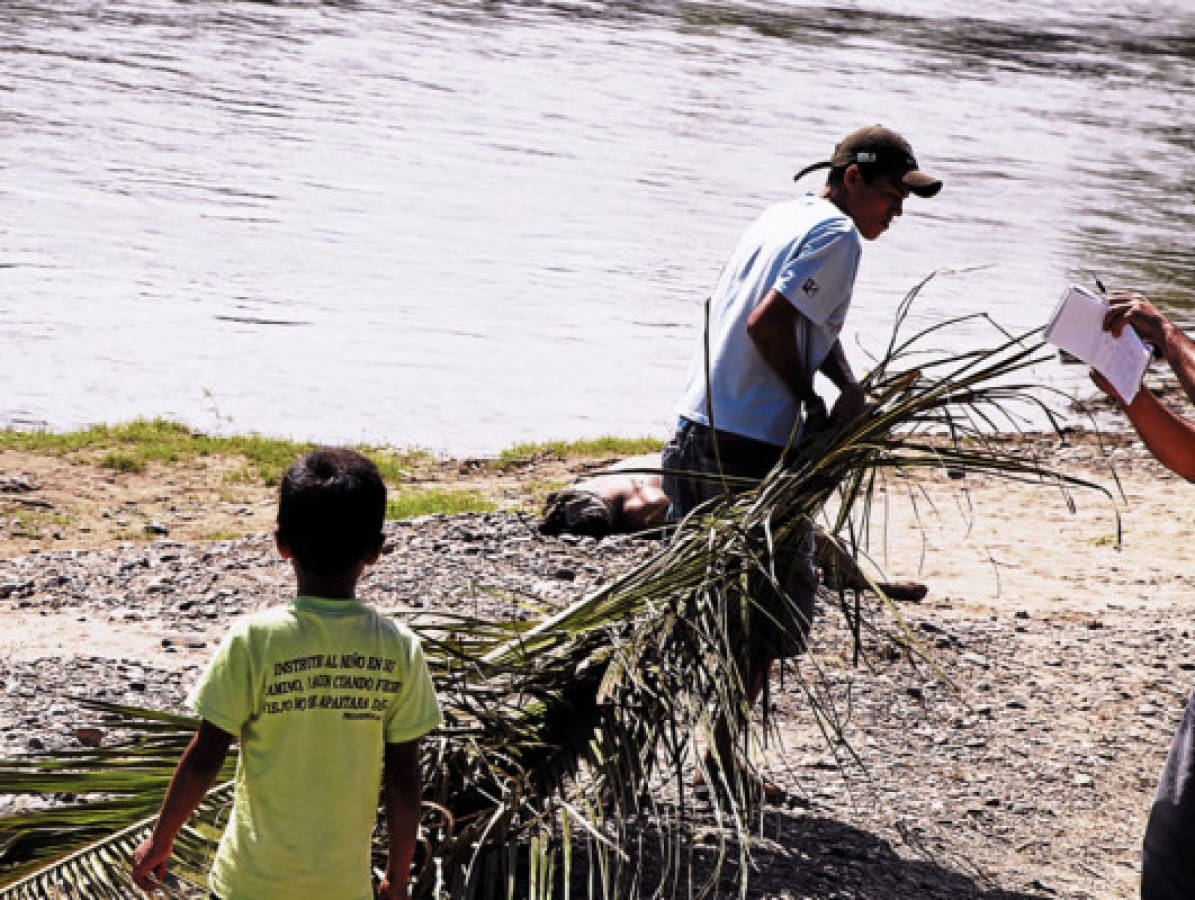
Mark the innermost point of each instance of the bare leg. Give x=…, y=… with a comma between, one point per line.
x=722, y=749
x=721, y=756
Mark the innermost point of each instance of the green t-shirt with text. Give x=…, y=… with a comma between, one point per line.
x=313, y=690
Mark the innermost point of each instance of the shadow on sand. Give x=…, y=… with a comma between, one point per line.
x=803, y=856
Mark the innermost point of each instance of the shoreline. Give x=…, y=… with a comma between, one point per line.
x=152, y=480
x=980, y=543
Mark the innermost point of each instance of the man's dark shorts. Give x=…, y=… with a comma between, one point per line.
x=778, y=626
x=1168, y=857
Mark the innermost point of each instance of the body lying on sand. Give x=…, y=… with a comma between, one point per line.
x=626, y=498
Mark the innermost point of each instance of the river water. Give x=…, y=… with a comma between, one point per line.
x=464, y=224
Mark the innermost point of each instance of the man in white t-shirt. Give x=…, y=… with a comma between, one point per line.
x=774, y=322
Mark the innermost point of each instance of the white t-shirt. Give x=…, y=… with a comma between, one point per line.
x=808, y=250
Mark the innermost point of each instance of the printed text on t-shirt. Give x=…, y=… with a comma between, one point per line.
x=324, y=682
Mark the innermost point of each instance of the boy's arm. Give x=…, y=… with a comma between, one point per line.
x=197, y=770
x=402, y=783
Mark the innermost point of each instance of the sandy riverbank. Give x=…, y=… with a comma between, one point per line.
x=1029, y=777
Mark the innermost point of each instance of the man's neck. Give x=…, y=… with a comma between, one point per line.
x=834, y=197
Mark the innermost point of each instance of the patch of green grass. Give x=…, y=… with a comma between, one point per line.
x=533, y=493
x=245, y=474
x=221, y=534
x=122, y=462
x=132, y=534
x=27, y=525
x=265, y=457
x=132, y=446
x=395, y=468
x=581, y=449
x=425, y=502
x=34, y=523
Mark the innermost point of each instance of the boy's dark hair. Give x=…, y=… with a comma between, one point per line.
x=330, y=510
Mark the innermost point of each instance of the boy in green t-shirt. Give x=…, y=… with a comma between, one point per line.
x=328, y=700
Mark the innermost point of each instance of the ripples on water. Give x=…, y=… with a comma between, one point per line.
x=465, y=224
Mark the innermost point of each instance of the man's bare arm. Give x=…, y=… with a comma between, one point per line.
x=772, y=327
x=1169, y=437
x=850, y=403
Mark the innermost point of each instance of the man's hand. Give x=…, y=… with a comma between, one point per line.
x=816, y=418
x=849, y=406
x=149, y=864
x=1127, y=308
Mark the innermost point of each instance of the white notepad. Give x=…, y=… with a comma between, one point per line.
x=1077, y=327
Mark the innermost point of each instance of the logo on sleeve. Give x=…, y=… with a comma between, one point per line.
x=809, y=287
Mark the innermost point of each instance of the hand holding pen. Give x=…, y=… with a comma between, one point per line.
x=1130, y=308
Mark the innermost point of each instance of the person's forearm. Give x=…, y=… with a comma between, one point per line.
x=851, y=402
x=772, y=328
x=780, y=355
x=783, y=359
x=838, y=369
x=198, y=768
x=403, y=801
x=1170, y=438
x=196, y=772
x=1180, y=354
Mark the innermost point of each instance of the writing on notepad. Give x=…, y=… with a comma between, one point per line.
x=1077, y=327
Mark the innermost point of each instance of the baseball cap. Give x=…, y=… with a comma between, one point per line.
x=882, y=150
